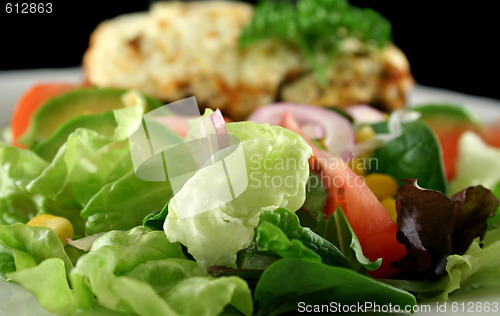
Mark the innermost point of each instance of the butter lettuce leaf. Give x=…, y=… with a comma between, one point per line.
x=123, y=204
x=29, y=246
x=206, y=296
x=273, y=164
x=88, y=160
x=47, y=281
x=478, y=163
x=141, y=272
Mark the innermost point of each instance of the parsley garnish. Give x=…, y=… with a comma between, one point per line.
x=316, y=28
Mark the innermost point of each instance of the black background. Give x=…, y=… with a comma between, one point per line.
x=450, y=44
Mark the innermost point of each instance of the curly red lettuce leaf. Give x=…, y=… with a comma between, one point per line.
x=433, y=226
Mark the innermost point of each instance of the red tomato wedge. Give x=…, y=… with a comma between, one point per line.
x=491, y=134
x=30, y=101
x=370, y=221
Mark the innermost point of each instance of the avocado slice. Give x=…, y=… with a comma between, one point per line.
x=85, y=101
x=102, y=123
x=440, y=113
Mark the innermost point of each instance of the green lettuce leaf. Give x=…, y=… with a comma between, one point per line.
x=124, y=203
x=288, y=223
x=276, y=172
x=18, y=167
x=47, y=281
x=101, y=272
x=337, y=230
x=206, y=296
x=290, y=281
x=468, y=273
x=7, y=263
x=88, y=160
x=477, y=268
x=478, y=163
x=141, y=272
x=30, y=246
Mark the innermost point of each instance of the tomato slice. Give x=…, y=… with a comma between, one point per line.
x=370, y=221
x=30, y=101
x=491, y=134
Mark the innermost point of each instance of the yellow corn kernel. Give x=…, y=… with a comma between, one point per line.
x=382, y=185
x=364, y=133
x=389, y=204
x=358, y=166
x=60, y=225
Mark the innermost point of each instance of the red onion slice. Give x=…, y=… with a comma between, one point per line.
x=84, y=243
x=365, y=114
x=337, y=131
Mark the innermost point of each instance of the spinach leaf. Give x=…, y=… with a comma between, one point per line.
x=494, y=222
x=316, y=196
x=414, y=154
x=338, y=231
x=290, y=281
x=155, y=220
x=289, y=223
x=271, y=239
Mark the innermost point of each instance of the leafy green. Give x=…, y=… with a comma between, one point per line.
x=271, y=161
x=102, y=123
x=271, y=239
x=88, y=160
x=290, y=281
x=316, y=28
x=433, y=226
x=289, y=227
x=7, y=263
x=124, y=203
x=477, y=268
x=494, y=222
x=141, y=272
x=414, y=154
x=29, y=246
x=439, y=113
x=155, y=220
x=477, y=164
x=47, y=281
x=207, y=296
x=17, y=168
x=316, y=196
x=338, y=231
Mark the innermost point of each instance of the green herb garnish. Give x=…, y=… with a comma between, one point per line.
x=316, y=28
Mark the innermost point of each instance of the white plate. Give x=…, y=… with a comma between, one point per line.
x=16, y=301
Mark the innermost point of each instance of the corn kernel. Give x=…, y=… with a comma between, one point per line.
x=364, y=133
x=389, y=204
x=382, y=185
x=358, y=166
x=60, y=225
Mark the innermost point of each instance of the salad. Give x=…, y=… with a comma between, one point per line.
x=339, y=207
x=113, y=203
